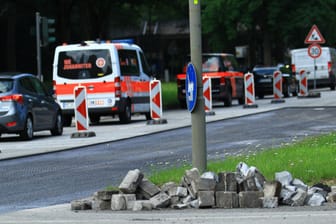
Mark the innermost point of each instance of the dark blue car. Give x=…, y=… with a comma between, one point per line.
x=26, y=106
x=263, y=82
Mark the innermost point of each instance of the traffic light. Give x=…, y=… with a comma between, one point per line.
x=48, y=31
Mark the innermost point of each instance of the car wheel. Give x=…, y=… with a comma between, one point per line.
x=94, y=119
x=125, y=116
x=261, y=96
x=228, y=99
x=58, y=126
x=241, y=100
x=286, y=90
x=183, y=104
x=28, y=131
x=67, y=119
x=332, y=80
x=296, y=91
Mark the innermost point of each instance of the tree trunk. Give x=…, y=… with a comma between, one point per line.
x=267, y=46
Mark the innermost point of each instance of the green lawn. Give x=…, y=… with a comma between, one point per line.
x=169, y=95
x=312, y=160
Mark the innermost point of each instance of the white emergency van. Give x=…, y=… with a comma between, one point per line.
x=116, y=76
x=321, y=69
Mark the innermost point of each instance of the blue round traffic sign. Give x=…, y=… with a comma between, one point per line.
x=191, y=87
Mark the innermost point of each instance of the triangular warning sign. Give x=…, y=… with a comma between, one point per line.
x=314, y=36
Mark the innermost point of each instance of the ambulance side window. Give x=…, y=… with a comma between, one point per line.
x=129, y=64
x=144, y=64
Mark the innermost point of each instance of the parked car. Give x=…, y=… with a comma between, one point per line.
x=26, y=106
x=227, y=82
x=263, y=81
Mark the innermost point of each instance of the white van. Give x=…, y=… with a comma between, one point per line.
x=116, y=77
x=324, y=66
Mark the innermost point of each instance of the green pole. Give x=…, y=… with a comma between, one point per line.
x=199, y=148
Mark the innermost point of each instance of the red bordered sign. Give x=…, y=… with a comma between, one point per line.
x=314, y=50
x=314, y=36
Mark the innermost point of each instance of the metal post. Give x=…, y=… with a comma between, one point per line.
x=314, y=73
x=38, y=46
x=199, y=147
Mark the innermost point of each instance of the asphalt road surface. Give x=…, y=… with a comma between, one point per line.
x=61, y=177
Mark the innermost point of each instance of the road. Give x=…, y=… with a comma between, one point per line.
x=60, y=177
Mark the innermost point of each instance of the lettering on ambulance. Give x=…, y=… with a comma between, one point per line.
x=67, y=65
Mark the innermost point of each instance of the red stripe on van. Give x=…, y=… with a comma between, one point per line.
x=101, y=87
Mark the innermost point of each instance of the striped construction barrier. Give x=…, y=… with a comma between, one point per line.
x=207, y=96
x=303, y=83
x=249, y=91
x=277, y=87
x=156, y=103
x=81, y=113
x=304, y=93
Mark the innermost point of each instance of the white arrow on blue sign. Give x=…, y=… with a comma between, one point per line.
x=191, y=86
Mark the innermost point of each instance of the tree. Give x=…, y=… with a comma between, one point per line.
x=269, y=27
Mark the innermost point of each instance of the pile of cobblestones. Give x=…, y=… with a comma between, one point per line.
x=245, y=188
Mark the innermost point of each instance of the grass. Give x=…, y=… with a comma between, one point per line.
x=312, y=160
x=169, y=95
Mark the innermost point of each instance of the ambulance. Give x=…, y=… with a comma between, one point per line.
x=115, y=74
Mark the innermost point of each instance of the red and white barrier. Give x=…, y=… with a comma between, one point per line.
x=81, y=113
x=303, y=83
x=207, y=96
x=277, y=87
x=249, y=91
x=156, y=102
x=304, y=87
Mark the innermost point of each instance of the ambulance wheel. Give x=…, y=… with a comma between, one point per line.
x=125, y=116
x=148, y=116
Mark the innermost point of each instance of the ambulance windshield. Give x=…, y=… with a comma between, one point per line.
x=84, y=64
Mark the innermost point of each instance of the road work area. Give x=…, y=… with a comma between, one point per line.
x=111, y=130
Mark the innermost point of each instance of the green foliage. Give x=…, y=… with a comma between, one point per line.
x=271, y=24
x=169, y=95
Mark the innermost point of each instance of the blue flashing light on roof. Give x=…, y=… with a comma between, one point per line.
x=126, y=41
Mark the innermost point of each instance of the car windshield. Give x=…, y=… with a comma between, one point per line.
x=84, y=64
x=210, y=64
x=216, y=63
x=6, y=85
x=266, y=71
